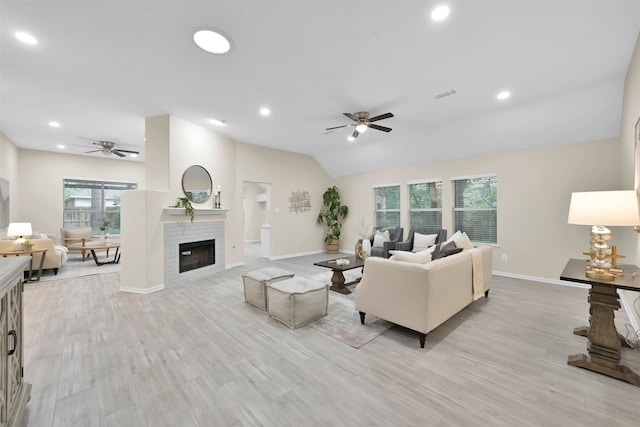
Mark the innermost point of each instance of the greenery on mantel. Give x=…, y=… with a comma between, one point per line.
x=185, y=203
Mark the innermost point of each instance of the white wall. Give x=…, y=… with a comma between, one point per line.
x=291, y=233
x=40, y=181
x=534, y=189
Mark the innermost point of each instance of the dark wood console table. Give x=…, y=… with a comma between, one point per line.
x=604, y=342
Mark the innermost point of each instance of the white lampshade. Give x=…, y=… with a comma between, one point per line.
x=608, y=208
x=361, y=128
x=19, y=229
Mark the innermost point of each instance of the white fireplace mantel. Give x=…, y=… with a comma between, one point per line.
x=197, y=211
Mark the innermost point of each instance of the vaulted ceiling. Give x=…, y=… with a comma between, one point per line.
x=100, y=67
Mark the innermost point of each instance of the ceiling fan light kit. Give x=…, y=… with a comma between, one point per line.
x=362, y=122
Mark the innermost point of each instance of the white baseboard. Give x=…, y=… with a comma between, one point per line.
x=143, y=291
x=275, y=258
x=232, y=265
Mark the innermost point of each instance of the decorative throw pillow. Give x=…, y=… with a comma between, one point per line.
x=462, y=240
x=423, y=241
x=417, y=257
x=446, y=250
x=380, y=237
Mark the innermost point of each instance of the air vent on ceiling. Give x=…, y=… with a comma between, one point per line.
x=447, y=93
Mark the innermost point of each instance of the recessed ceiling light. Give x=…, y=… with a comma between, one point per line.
x=212, y=41
x=351, y=138
x=265, y=111
x=26, y=38
x=61, y=147
x=134, y=155
x=440, y=13
x=218, y=122
x=54, y=124
x=503, y=95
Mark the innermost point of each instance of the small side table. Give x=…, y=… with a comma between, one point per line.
x=30, y=254
x=604, y=342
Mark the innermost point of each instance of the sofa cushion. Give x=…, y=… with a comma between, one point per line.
x=380, y=237
x=421, y=257
x=423, y=241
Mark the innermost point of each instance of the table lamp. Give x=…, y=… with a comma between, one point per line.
x=613, y=208
x=19, y=230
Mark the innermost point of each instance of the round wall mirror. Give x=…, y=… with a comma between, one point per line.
x=196, y=184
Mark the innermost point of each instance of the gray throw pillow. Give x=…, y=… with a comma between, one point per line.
x=446, y=250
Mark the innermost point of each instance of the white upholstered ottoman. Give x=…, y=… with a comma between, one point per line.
x=255, y=283
x=297, y=301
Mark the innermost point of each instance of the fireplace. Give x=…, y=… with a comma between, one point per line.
x=196, y=255
x=180, y=233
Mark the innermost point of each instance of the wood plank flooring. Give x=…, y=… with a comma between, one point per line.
x=199, y=356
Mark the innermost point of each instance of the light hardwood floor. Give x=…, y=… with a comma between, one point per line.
x=199, y=356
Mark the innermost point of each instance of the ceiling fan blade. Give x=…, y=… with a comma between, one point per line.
x=338, y=127
x=355, y=134
x=118, y=153
x=380, y=117
x=92, y=151
x=351, y=116
x=126, y=151
x=378, y=127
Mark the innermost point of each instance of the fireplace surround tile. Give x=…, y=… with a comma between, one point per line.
x=185, y=232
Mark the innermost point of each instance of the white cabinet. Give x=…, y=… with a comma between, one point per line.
x=14, y=394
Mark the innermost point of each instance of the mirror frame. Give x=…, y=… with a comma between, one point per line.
x=188, y=190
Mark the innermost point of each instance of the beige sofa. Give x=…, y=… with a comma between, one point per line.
x=423, y=296
x=55, y=257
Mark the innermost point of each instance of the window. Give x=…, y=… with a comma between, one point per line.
x=93, y=204
x=475, y=209
x=387, y=206
x=425, y=204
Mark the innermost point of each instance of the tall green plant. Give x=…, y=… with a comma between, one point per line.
x=332, y=213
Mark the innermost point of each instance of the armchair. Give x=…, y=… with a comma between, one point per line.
x=407, y=245
x=76, y=239
x=395, y=236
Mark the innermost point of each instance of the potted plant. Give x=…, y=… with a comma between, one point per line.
x=332, y=214
x=185, y=203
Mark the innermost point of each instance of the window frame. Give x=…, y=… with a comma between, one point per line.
x=385, y=210
x=92, y=216
x=412, y=210
x=455, y=210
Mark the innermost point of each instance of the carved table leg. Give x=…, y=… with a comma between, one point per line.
x=604, y=342
x=337, y=283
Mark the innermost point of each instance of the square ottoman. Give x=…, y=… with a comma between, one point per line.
x=255, y=283
x=297, y=301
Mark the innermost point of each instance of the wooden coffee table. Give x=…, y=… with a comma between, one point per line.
x=337, y=280
x=116, y=257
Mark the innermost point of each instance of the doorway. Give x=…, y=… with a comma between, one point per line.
x=256, y=201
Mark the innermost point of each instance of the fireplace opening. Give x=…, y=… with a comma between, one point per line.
x=196, y=254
